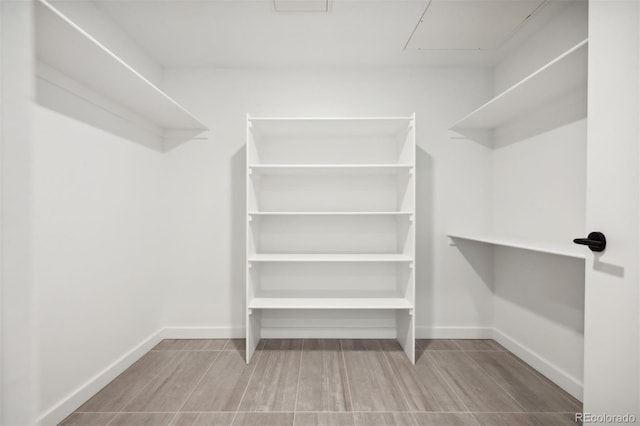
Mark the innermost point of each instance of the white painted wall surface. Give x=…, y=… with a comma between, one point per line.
x=17, y=344
x=98, y=250
x=538, y=191
x=207, y=183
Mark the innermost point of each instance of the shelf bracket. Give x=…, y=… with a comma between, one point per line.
x=250, y=311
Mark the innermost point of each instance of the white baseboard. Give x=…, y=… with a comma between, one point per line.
x=203, y=332
x=454, y=332
x=69, y=404
x=545, y=367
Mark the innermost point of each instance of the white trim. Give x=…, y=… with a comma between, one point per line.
x=545, y=367
x=203, y=332
x=423, y=332
x=78, y=397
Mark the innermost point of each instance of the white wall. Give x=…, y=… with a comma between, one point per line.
x=538, y=191
x=16, y=292
x=207, y=183
x=98, y=254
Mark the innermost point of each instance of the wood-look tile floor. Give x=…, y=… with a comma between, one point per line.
x=328, y=382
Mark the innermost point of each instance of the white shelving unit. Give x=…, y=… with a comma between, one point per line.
x=566, y=250
x=70, y=58
x=330, y=226
x=563, y=75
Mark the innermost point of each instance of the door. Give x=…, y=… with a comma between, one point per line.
x=612, y=323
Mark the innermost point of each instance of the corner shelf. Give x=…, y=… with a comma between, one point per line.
x=328, y=303
x=322, y=257
x=563, y=75
x=541, y=247
x=69, y=50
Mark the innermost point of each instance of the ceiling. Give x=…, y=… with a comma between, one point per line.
x=250, y=33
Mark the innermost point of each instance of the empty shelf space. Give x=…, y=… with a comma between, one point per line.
x=329, y=303
x=330, y=125
x=68, y=49
x=322, y=257
x=567, y=250
x=563, y=75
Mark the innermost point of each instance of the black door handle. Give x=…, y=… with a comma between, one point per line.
x=596, y=241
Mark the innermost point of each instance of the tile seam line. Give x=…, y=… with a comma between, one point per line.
x=395, y=378
x=494, y=381
x=136, y=394
x=295, y=402
x=346, y=375
x=244, y=392
x=195, y=387
x=440, y=374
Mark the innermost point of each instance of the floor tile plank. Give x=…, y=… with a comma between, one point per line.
x=125, y=387
x=384, y=419
x=323, y=419
x=437, y=345
x=170, y=389
x=478, y=345
x=422, y=386
x=273, y=385
x=222, y=387
x=263, y=419
x=142, y=419
x=372, y=384
x=323, y=378
x=88, y=419
x=531, y=393
x=471, y=383
x=525, y=419
x=445, y=419
x=203, y=419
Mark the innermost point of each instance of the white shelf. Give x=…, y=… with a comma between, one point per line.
x=322, y=257
x=330, y=125
x=329, y=303
x=333, y=213
x=567, y=250
x=277, y=169
x=68, y=49
x=563, y=75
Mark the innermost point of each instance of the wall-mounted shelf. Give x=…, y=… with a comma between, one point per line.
x=568, y=250
x=278, y=169
x=69, y=50
x=328, y=303
x=333, y=213
x=563, y=75
x=322, y=257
